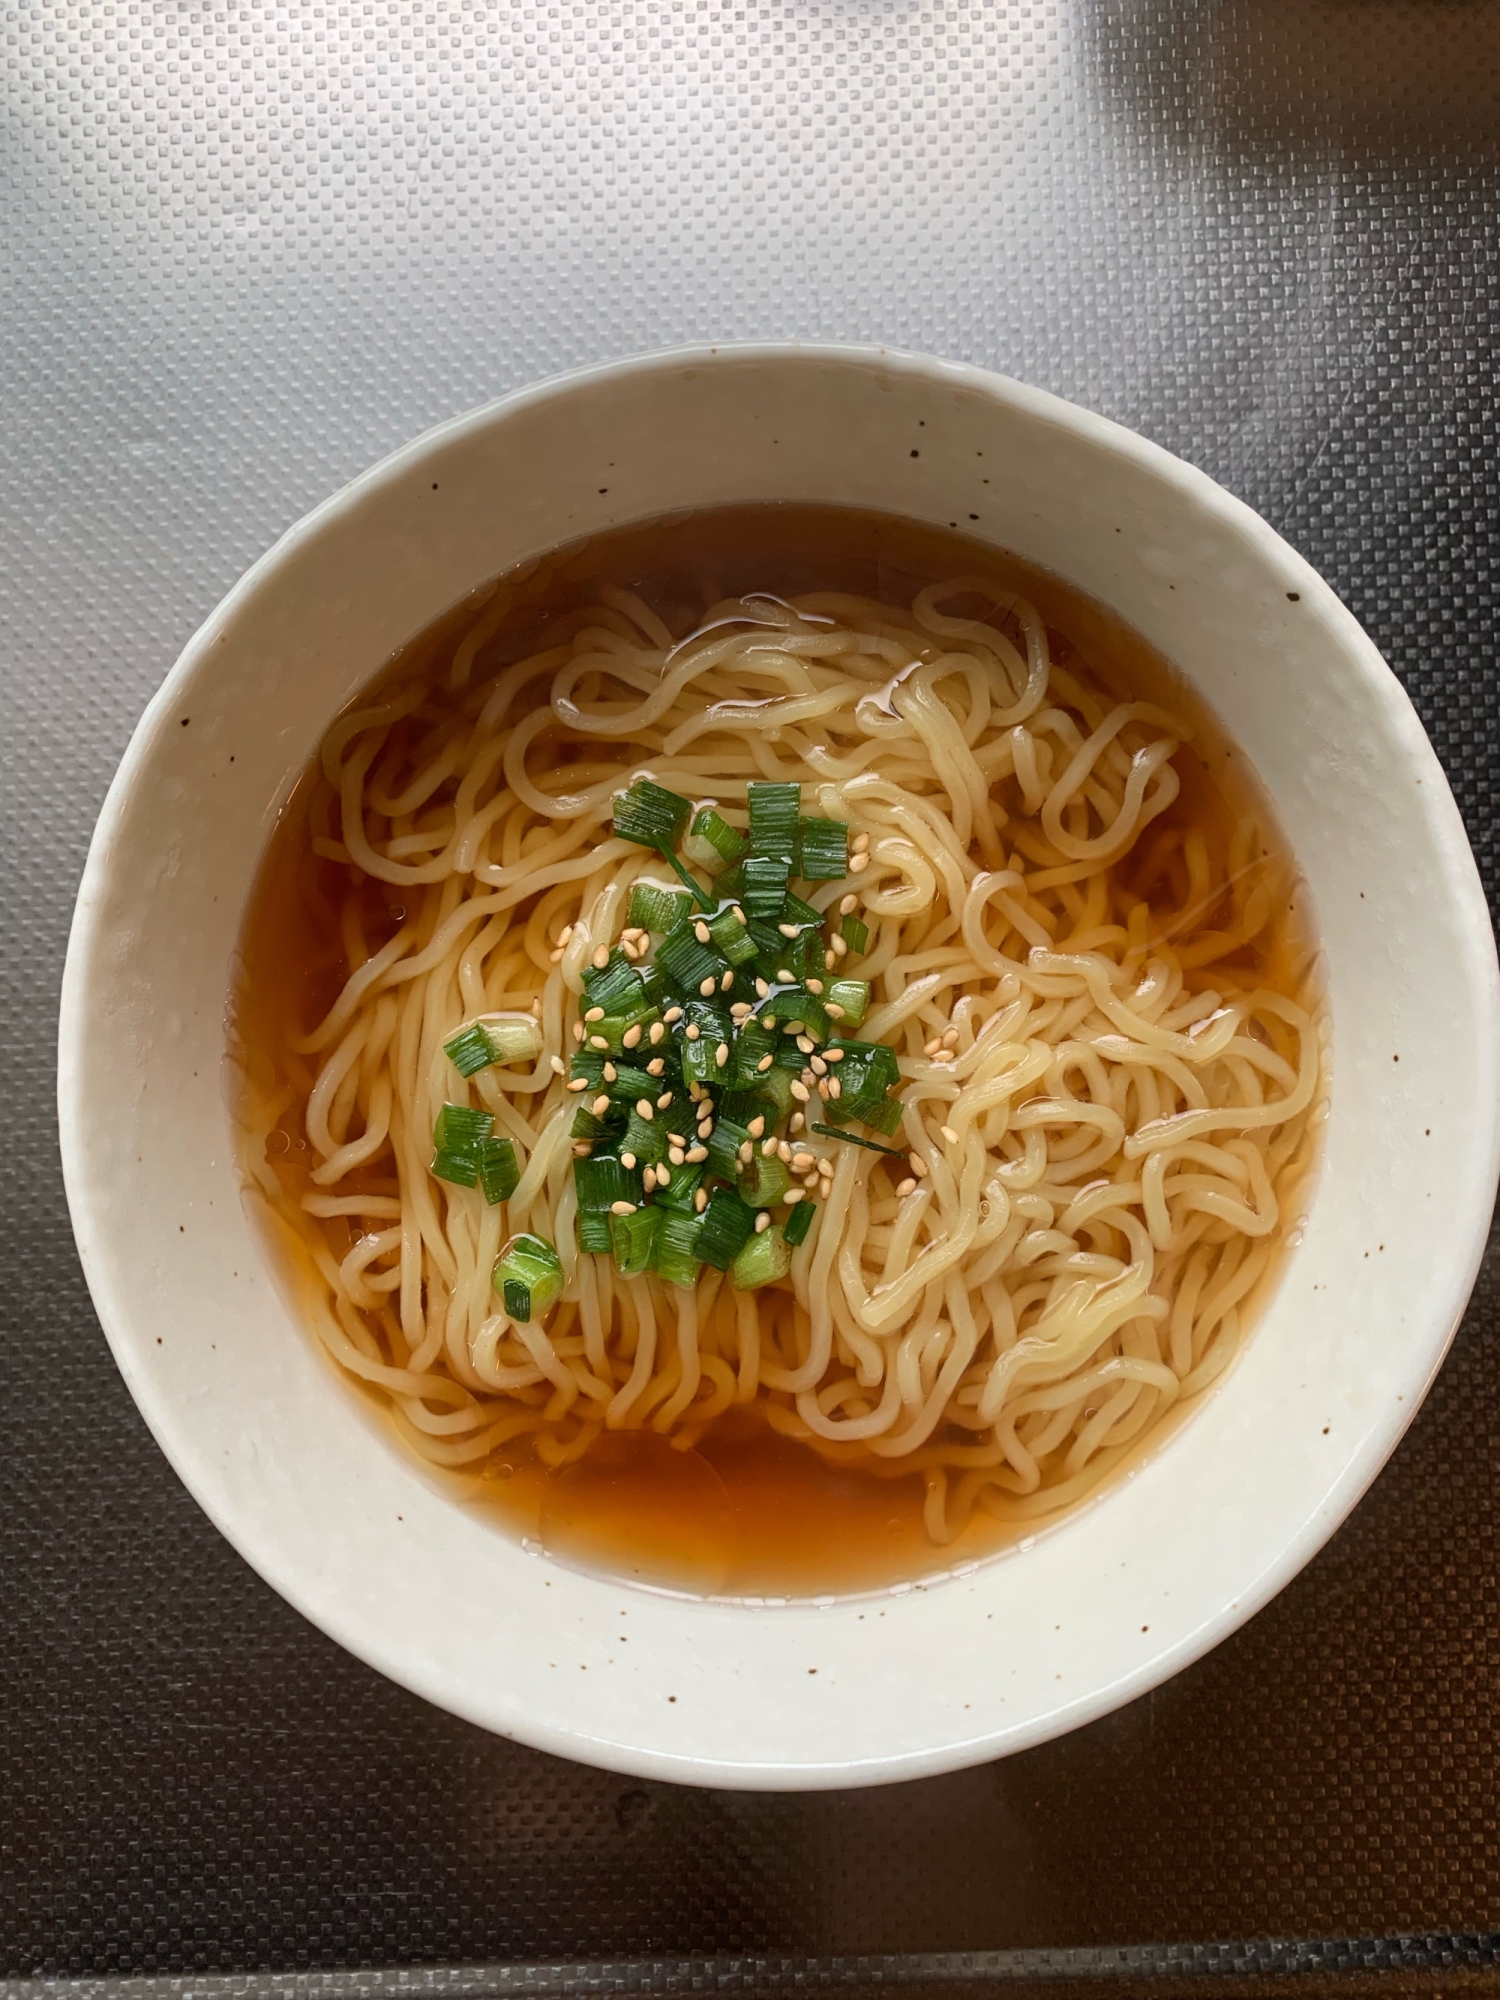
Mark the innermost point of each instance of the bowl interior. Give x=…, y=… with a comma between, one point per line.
x=1118, y=1595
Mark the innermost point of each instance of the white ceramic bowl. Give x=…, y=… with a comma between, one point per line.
x=1101, y=1607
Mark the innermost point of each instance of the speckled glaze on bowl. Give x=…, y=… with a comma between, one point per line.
x=1118, y=1596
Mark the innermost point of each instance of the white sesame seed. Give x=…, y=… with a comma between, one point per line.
x=787, y=930
x=741, y=1010
x=835, y=1088
x=622, y=1207
x=761, y=989
x=833, y=1055
x=791, y=1195
x=706, y=986
x=693, y=1031
x=931, y=1048
x=860, y=842
x=598, y=1042
x=802, y=1161
x=536, y=1005
x=825, y=1088
x=831, y=959
x=858, y=864
x=783, y=976
x=579, y=1083
x=601, y=1105
x=648, y=1179
x=783, y=1151
x=564, y=934
x=632, y=1037
x=798, y=1121
x=806, y=1044
x=906, y=1187
x=833, y=1010
x=818, y=1066
x=700, y=932
x=848, y=906
x=726, y=982
x=840, y=947
x=700, y=1200
x=664, y=1100
x=695, y=1154
x=738, y=911
x=601, y=956
x=628, y=1160
x=918, y=1166
x=815, y=986
x=756, y=1126
x=762, y=1223
x=672, y=1014
x=555, y=956
x=559, y=1067
x=578, y=1031
x=657, y=1031
x=800, y=1091
x=950, y=1038
x=581, y=1149
x=944, y=1056
x=949, y=1134
x=746, y=1154
x=763, y=1065
x=656, y=1066
x=645, y=1109
x=611, y=1074
x=594, y=1014
x=768, y=1147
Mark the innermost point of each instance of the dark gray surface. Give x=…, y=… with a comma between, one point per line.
x=246, y=251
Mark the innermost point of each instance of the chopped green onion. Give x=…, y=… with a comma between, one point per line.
x=651, y=816
x=654, y=985
x=683, y=1183
x=755, y=1045
x=460, y=1168
x=776, y=1083
x=794, y=1003
x=470, y=1050
x=765, y=884
x=630, y=1084
x=823, y=850
x=515, y=1038
x=765, y=1180
x=884, y=1114
x=687, y=962
x=856, y=935
x=723, y=1229
x=601, y=1181
x=799, y=1222
x=499, y=1170
x=712, y=827
x=460, y=1130
x=645, y=1139
x=731, y=937
x=853, y=995
x=654, y=908
x=616, y=987
x=634, y=1239
x=730, y=885
x=803, y=915
x=774, y=810
x=529, y=1276
x=593, y=1232
x=763, y=1260
x=866, y=1068
x=724, y=1144
x=586, y=1126
x=853, y=1139
x=677, y=1259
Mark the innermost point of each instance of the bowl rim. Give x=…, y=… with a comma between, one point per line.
x=1473, y=946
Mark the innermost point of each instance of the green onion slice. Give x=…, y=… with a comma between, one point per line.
x=799, y=1222
x=651, y=816
x=822, y=850
x=763, y=1260
x=529, y=1276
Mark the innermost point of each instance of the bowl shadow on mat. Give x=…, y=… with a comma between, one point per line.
x=1367, y=82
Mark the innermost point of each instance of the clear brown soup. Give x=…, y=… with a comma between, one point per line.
x=746, y=1512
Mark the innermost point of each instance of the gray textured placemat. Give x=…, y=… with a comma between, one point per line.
x=249, y=249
